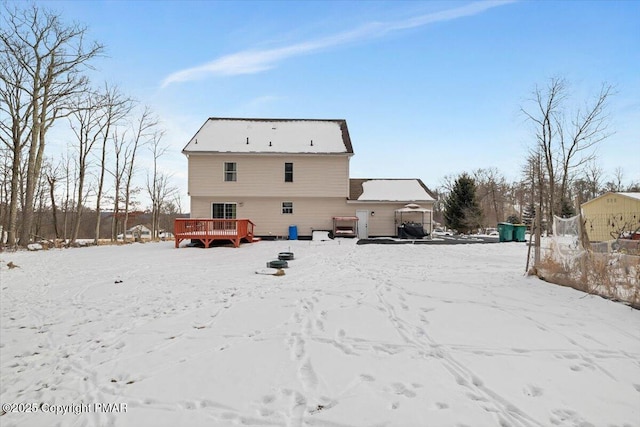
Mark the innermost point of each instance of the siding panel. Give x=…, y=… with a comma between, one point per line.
x=313, y=176
x=308, y=213
x=266, y=213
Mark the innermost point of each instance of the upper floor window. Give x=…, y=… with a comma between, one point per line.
x=288, y=172
x=230, y=171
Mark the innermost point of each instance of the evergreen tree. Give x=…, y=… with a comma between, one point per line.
x=513, y=219
x=461, y=211
x=566, y=209
x=529, y=214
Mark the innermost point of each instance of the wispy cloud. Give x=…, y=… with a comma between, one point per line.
x=255, y=61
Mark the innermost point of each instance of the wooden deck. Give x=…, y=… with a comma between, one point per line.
x=208, y=229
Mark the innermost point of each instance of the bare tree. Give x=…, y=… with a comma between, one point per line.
x=158, y=186
x=588, y=185
x=116, y=108
x=633, y=187
x=50, y=56
x=565, y=144
x=491, y=189
x=534, y=174
x=174, y=206
x=52, y=175
x=14, y=124
x=617, y=184
x=144, y=129
x=87, y=124
x=5, y=182
x=118, y=169
x=578, y=138
x=165, y=193
x=40, y=204
x=519, y=195
x=125, y=150
x=593, y=179
x=93, y=116
x=68, y=171
x=548, y=105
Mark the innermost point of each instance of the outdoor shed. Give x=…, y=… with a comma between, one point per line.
x=608, y=216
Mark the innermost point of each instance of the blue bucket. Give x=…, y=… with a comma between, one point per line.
x=293, y=232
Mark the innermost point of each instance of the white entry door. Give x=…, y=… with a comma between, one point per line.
x=363, y=224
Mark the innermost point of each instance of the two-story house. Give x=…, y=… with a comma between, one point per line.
x=281, y=173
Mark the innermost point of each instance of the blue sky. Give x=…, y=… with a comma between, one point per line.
x=428, y=89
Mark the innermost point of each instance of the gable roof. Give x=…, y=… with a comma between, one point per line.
x=389, y=190
x=298, y=136
x=631, y=195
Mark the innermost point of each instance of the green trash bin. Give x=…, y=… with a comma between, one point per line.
x=519, y=230
x=505, y=231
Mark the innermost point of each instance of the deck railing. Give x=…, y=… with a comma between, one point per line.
x=209, y=229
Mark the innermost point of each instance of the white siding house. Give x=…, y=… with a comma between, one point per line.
x=281, y=173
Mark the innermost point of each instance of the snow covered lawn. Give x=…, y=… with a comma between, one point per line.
x=370, y=335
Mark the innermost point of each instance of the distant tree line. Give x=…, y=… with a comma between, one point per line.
x=44, y=65
x=44, y=225
x=559, y=173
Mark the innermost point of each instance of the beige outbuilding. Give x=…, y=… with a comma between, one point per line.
x=610, y=215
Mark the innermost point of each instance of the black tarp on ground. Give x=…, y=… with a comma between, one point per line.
x=428, y=241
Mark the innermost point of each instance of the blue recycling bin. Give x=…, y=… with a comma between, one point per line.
x=293, y=232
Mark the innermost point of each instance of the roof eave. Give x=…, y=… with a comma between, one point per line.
x=608, y=193
x=279, y=153
x=390, y=201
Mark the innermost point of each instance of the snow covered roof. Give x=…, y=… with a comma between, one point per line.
x=299, y=136
x=139, y=227
x=389, y=190
x=631, y=195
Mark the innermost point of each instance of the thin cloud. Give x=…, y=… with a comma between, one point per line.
x=256, y=61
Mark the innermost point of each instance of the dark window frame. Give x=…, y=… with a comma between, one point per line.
x=230, y=171
x=288, y=172
x=225, y=210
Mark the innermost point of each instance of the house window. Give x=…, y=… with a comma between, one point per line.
x=230, y=171
x=287, y=207
x=288, y=172
x=223, y=210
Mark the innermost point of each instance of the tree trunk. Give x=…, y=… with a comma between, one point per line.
x=54, y=208
x=13, y=204
x=100, y=186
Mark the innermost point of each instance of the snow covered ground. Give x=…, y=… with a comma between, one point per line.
x=351, y=335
